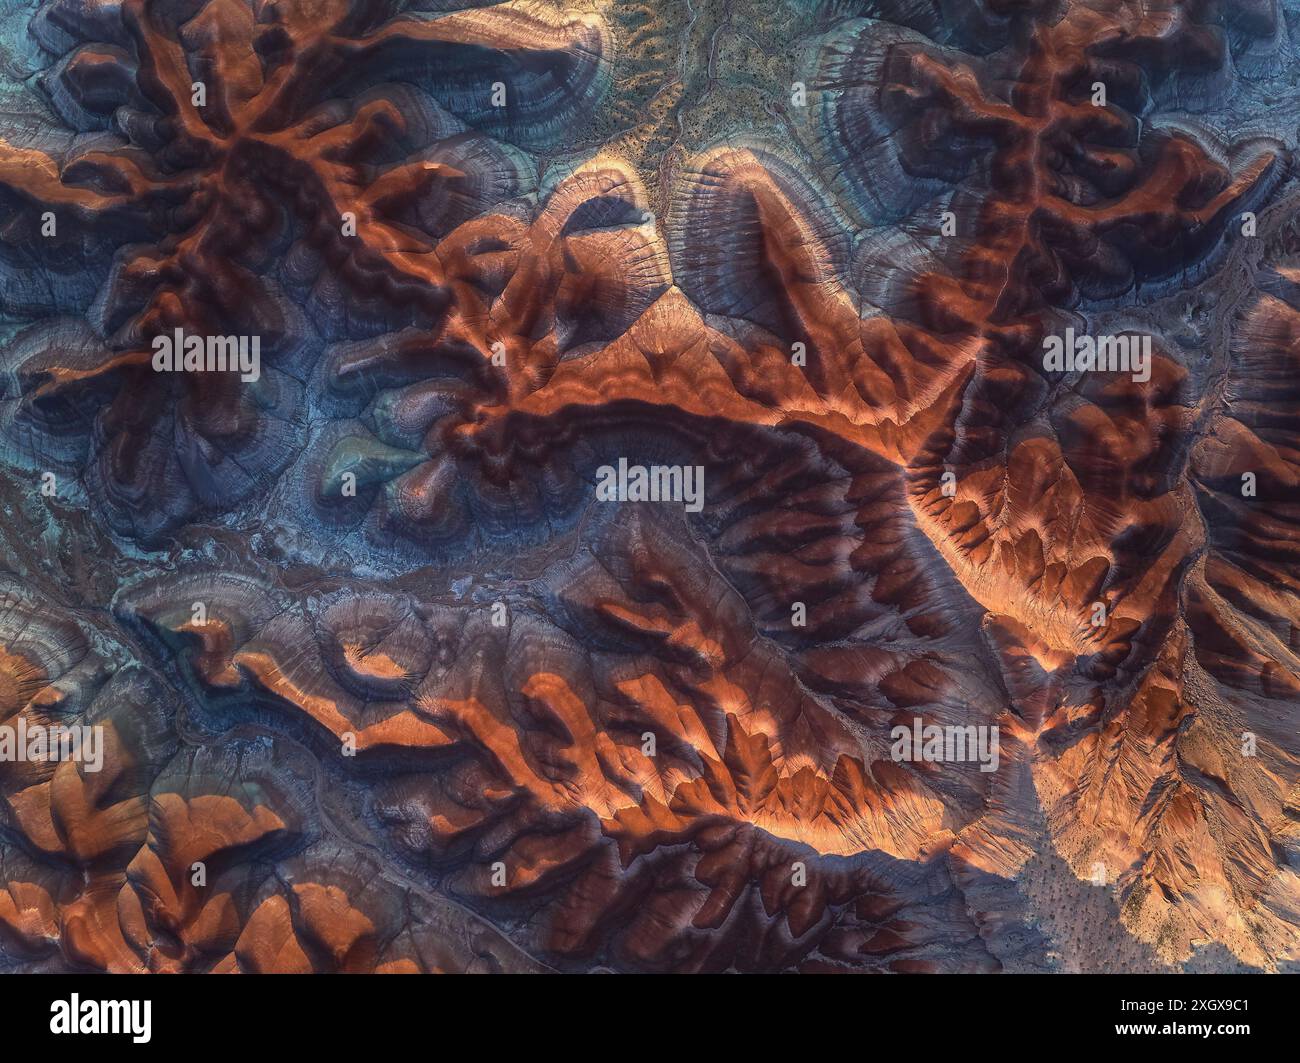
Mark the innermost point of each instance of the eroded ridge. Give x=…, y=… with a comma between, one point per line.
x=394, y=669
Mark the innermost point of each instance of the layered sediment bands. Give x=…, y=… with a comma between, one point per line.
x=387, y=683
x=167, y=858
x=230, y=177
x=506, y=781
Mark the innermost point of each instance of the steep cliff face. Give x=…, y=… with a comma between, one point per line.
x=759, y=486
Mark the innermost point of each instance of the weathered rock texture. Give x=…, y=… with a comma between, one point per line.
x=384, y=687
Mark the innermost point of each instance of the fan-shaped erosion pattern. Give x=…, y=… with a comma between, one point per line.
x=765, y=486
